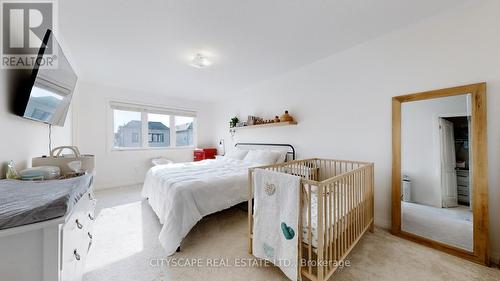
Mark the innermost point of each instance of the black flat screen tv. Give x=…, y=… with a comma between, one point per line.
x=47, y=94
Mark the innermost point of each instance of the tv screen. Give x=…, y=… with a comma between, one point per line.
x=48, y=94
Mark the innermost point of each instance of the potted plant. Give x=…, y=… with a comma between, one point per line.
x=233, y=122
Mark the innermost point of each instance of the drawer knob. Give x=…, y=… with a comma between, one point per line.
x=78, y=224
x=91, y=217
x=77, y=256
x=90, y=235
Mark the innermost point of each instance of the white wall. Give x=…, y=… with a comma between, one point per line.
x=119, y=168
x=23, y=139
x=420, y=158
x=343, y=102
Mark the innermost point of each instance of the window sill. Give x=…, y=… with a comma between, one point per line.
x=115, y=149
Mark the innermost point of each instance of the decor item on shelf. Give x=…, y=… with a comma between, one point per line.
x=234, y=121
x=286, y=117
x=276, y=119
x=254, y=120
x=11, y=171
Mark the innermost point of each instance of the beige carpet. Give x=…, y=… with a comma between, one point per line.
x=452, y=226
x=126, y=248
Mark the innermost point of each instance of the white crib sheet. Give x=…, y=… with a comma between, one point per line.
x=336, y=216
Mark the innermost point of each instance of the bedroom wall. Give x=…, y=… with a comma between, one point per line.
x=420, y=145
x=122, y=168
x=343, y=102
x=23, y=139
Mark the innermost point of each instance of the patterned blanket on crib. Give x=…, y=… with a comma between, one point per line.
x=276, y=218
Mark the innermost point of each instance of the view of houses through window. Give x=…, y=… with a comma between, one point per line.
x=184, y=131
x=128, y=129
x=158, y=130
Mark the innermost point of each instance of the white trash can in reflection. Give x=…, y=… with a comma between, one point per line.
x=406, y=196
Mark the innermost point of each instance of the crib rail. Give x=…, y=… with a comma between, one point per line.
x=343, y=195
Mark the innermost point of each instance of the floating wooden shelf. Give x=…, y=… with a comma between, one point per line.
x=278, y=124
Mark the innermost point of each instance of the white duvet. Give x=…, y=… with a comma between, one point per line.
x=182, y=194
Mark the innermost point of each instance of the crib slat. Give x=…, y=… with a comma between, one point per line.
x=344, y=201
x=351, y=209
x=353, y=206
x=309, y=231
x=327, y=226
x=301, y=221
x=337, y=220
x=330, y=240
x=358, y=179
x=320, y=269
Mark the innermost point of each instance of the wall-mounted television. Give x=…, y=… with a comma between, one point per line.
x=47, y=94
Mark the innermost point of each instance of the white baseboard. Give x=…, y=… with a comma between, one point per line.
x=105, y=187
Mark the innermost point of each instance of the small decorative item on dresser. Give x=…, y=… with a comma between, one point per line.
x=276, y=119
x=286, y=117
x=11, y=171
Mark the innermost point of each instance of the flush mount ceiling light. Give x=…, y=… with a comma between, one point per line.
x=200, y=61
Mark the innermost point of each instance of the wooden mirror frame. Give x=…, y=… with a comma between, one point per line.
x=479, y=183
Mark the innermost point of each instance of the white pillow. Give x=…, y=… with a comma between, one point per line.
x=264, y=157
x=282, y=156
x=237, y=154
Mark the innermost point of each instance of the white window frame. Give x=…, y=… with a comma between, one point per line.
x=144, y=109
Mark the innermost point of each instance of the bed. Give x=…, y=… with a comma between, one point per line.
x=182, y=194
x=336, y=209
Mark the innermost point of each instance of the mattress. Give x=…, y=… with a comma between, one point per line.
x=182, y=194
x=314, y=219
x=23, y=203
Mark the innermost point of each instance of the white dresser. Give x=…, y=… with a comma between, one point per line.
x=463, y=185
x=53, y=250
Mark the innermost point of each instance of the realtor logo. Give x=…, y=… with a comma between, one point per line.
x=24, y=25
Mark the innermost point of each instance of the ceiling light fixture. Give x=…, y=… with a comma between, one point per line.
x=200, y=61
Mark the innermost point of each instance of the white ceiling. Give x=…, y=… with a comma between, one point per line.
x=146, y=45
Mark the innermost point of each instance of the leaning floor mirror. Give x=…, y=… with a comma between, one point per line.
x=439, y=170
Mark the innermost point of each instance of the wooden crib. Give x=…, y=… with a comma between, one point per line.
x=344, y=213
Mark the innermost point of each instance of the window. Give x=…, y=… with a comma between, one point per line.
x=183, y=131
x=156, y=138
x=159, y=130
x=127, y=128
x=146, y=127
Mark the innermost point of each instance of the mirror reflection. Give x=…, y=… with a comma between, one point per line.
x=436, y=195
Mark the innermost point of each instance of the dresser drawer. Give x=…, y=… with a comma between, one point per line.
x=463, y=190
x=463, y=198
x=463, y=180
x=76, y=239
